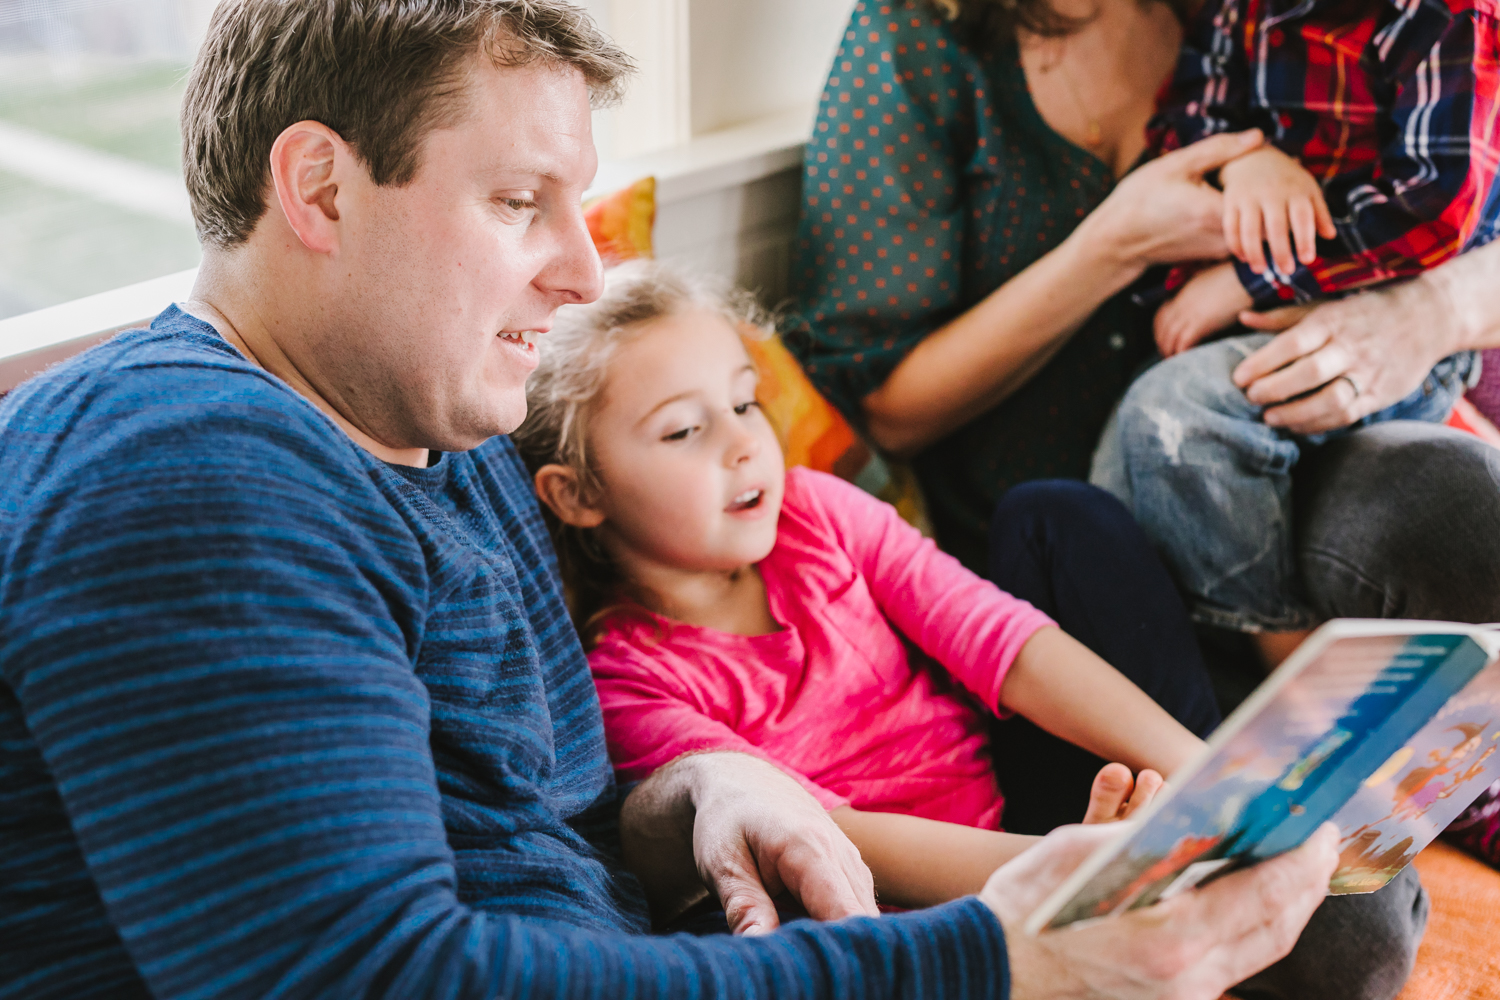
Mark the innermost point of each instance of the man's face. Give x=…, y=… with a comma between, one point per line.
x=443, y=280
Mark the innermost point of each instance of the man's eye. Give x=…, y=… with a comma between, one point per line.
x=681, y=435
x=744, y=408
x=515, y=209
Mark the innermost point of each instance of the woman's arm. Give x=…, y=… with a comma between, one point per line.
x=1163, y=212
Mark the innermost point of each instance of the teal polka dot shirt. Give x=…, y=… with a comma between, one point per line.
x=930, y=180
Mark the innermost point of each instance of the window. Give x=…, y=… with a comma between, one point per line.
x=91, y=194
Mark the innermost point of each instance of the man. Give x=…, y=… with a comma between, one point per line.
x=291, y=705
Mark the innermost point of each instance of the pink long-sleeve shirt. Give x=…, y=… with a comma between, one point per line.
x=869, y=694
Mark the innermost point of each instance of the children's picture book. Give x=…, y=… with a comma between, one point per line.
x=1388, y=728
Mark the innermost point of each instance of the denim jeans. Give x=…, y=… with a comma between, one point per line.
x=1211, y=484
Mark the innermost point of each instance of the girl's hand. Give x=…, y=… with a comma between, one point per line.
x=1116, y=794
x=1210, y=301
x=1270, y=198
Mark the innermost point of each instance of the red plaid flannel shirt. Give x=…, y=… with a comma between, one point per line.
x=1377, y=107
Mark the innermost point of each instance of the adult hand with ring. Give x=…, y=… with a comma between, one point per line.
x=1381, y=343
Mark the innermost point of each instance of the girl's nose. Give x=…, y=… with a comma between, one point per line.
x=743, y=446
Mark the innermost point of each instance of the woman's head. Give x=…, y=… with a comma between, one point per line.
x=644, y=437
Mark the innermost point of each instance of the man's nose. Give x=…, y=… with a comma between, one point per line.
x=575, y=275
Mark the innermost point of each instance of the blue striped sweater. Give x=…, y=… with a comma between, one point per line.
x=280, y=719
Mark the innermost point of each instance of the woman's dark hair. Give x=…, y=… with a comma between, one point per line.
x=988, y=24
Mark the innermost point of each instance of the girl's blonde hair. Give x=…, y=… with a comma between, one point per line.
x=560, y=396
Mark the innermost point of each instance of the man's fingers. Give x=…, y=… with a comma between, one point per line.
x=1259, y=913
x=1328, y=409
x=1306, y=374
x=832, y=887
x=1278, y=236
x=747, y=906
x=1302, y=339
x=1109, y=793
x=1210, y=154
x=1305, y=231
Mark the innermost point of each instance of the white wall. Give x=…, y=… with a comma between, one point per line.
x=751, y=58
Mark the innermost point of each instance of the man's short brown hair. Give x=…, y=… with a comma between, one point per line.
x=380, y=73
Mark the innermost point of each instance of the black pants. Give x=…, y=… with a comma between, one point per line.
x=1077, y=554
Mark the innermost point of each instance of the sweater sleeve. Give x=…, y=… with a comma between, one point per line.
x=1404, y=210
x=964, y=622
x=203, y=644
x=649, y=722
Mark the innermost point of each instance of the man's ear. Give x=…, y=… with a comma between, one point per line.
x=559, y=489
x=304, y=162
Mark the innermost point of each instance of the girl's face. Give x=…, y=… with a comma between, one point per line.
x=692, y=470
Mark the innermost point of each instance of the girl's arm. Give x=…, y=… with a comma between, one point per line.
x=1009, y=654
x=1061, y=685
x=923, y=862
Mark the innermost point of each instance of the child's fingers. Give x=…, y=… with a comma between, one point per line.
x=1305, y=230
x=1278, y=235
x=1147, y=784
x=1109, y=793
x=1232, y=229
x=1250, y=240
x=1326, y=228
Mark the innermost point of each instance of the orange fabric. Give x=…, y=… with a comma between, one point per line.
x=621, y=222
x=814, y=434
x=1460, y=956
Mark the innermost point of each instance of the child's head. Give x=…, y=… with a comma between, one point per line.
x=645, y=439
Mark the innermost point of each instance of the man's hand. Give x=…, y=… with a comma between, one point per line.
x=1210, y=301
x=1361, y=354
x=1194, y=945
x=1117, y=794
x=1271, y=198
x=739, y=826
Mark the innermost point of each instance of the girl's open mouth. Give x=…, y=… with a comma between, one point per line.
x=748, y=500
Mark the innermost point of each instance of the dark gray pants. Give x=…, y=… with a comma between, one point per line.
x=1398, y=520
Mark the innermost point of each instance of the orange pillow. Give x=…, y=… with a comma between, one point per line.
x=621, y=223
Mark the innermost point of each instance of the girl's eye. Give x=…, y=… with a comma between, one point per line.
x=681, y=435
x=744, y=408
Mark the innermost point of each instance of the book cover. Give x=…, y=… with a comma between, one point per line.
x=1341, y=710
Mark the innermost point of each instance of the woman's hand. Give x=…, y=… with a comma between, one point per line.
x=1165, y=212
x=1271, y=198
x=1355, y=356
x=1210, y=301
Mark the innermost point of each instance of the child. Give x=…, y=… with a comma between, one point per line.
x=734, y=605
x=1365, y=178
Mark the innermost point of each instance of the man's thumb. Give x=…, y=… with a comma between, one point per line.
x=747, y=907
x=1215, y=151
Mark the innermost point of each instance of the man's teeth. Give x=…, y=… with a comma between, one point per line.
x=520, y=336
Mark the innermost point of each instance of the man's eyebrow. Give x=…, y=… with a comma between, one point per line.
x=528, y=170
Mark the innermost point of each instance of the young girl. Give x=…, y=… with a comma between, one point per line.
x=735, y=605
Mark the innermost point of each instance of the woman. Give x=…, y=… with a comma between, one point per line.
x=961, y=249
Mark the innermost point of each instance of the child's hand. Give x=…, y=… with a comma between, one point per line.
x=1116, y=795
x=1270, y=198
x=1210, y=301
